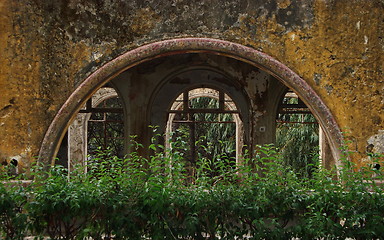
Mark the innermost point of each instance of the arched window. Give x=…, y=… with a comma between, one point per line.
x=98, y=125
x=105, y=128
x=297, y=134
x=204, y=123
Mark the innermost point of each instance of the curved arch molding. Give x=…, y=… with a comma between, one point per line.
x=150, y=51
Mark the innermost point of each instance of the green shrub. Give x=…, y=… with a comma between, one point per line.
x=155, y=198
x=12, y=217
x=61, y=207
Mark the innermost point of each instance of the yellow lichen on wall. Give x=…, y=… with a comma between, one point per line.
x=283, y=3
x=20, y=120
x=339, y=56
x=5, y=27
x=5, y=104
x=7, y=97
x=143, y=21
x=352, y=78
x=38, y=69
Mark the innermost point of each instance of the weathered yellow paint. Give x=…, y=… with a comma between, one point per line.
x=143, y=21
x=342, y=48
x=19, y=104
x=4, y=71
x=283, y=3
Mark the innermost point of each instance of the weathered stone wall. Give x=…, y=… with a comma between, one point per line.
x=48, y=47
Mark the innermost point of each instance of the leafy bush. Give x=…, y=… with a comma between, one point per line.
x=155, y=198
x=12, y=217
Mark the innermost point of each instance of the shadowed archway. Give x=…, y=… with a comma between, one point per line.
x=151, y=51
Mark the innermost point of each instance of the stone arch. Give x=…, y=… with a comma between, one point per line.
x=154, y=50
x=166, y=96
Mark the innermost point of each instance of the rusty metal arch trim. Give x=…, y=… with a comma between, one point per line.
x=150, y=51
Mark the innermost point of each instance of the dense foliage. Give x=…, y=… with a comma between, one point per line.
x=214, y=134
x=154, y=198
x=297, y=139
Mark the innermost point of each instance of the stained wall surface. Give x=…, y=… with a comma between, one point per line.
x=47, y=48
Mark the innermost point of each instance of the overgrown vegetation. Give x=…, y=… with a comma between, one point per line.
x=214, y=133
x=297, y=138
x=154, y=198
x=214, y=137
